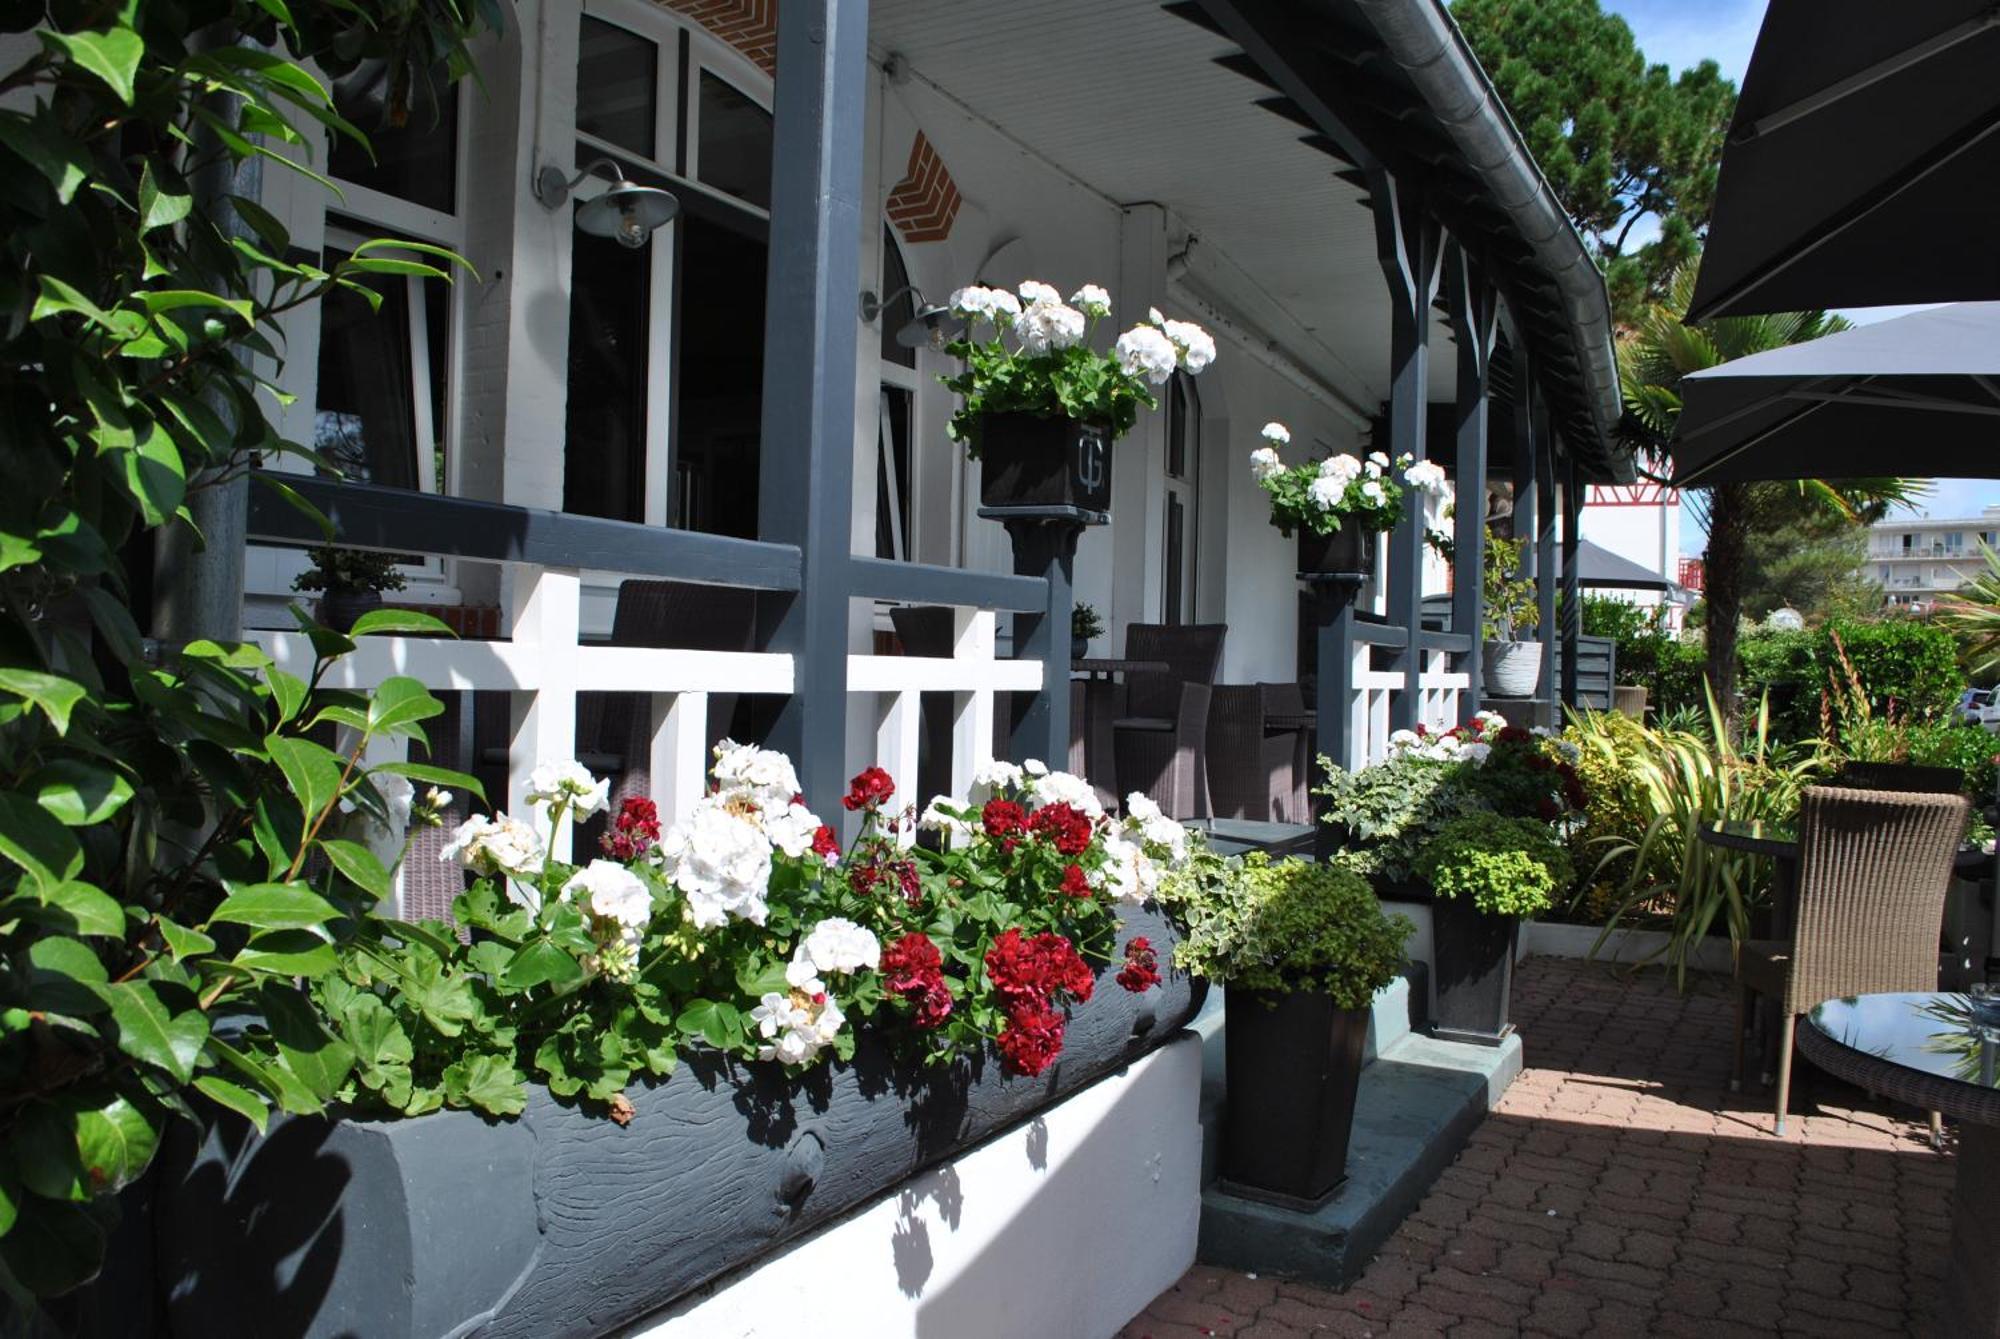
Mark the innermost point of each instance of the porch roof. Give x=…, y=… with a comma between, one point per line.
x=1256, y=125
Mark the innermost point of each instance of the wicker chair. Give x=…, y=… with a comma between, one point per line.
x=1253, y=769
x=1160, y=746
x=430, y=883
x=1874, y=866
x=1903, y=777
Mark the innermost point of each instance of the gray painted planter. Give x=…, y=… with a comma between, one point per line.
x=1512, y=669
x=563, y=1223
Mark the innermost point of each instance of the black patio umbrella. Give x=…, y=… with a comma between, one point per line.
x=1598, y=568
x=1860, y=167
x=1917, y=396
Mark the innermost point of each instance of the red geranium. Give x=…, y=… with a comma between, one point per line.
x=825, y=843
x=1029, y=973
x=1065, y=826
x=635, y=831
x=1003, y=819
x=868, y=789
x=1074, y=883
x=1142, y=965
x=1031, y=1040
x=913, y=969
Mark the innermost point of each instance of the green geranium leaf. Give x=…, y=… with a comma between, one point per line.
x=720, y=1025
x=116, y=1144
x=488, y=1083
x=275, y=906
x=539, y=962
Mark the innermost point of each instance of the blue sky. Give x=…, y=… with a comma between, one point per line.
x=1680, y=33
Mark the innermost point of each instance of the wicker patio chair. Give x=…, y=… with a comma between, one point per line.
x=431, y=883
x=1252, y=768
x=1160, y=747
x=1905, y=777
x=1874, y=867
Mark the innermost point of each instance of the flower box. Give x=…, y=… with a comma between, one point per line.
x=563, y=1223
x=1348, y=551
x=1034, y=462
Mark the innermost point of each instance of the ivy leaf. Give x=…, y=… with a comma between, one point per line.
x=112, y=55
x=238, y=1099
x=54, y=696
x=312, y=771
x=161, y=207
x=488, y=1083
x=359, y=865
x=539, y=962
x=275, y=906
x=79, y=793
x=116, y=1143
x=148, y=1030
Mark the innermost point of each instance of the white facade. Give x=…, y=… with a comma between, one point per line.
x=1640, y=521
x=1917, y=559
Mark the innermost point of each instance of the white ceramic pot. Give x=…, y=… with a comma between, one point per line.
x=1513, y=669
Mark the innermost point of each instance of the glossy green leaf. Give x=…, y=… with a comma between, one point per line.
x=436, y=776
x=280, y=1083
x=78, y=793
x=312, y=771
x=39, y=143
x=54, y=696
x=239, y=1100
x=112, y=55
x=42, y=847
x=359, y=866
x=275, y=906
x=148, y=1030
x=288, y=691
x=183, y=942
x=384, y=622
x=54, y=1247
x=65, y=977
x=318, y=1059
x=91, y=910
x=155, y=475
x=287, y=953
x=116, y=1143
x=159, y=206
x=41, y=1141
x=400, y=702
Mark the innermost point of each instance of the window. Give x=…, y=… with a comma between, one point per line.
x=415, y=162
x=378, y=416
x=895, y=481
x=664, y=429
x=1177, y=531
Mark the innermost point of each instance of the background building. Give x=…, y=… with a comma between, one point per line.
x=1918, y=558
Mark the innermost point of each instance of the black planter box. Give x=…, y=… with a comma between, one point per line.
x=1027, y=461
x=1348, y=551
x=1294, y=1068
x=561, y=1223
x=1473, y=956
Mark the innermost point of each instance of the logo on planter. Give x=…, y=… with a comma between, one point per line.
x=1093, y=466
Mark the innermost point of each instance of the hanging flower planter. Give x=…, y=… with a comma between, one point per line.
x=1027, y=461
x=1348, y=551
x=1339, y=504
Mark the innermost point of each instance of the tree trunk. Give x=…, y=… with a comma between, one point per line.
x=1722, y=571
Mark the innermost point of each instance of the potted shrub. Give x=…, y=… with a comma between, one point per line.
x=1041, y=406
x=350, y=582
x=1339, y=504
x=1512, y=664
x=1302, y=948
x=1085, y=624
x=1488, y=871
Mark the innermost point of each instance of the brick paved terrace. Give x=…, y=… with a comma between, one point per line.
x=1621, y=1189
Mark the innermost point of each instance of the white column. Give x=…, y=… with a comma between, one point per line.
x=543, y=713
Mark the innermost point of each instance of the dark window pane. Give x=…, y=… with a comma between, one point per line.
x=898, y=311
x=720, y=376
x=364, y=419
x=617, y=87
x=604, y=462
x=415, y=161
x=1179, y=428
x=1176, y=540
x=735, y=153
x=892, y=476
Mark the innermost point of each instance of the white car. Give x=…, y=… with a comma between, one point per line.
x=1972, y=706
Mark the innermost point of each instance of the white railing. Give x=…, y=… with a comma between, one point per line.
x=1372, y=692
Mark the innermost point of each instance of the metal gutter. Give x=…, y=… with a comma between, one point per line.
x=1421, y=38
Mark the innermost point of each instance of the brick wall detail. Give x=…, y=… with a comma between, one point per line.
x=926, y=200
x=751, y=26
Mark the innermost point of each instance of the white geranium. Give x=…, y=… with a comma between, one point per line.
x=1372, y=490
x=935, y=818
x=976, y=303
x=1047, y=326
x=1066, y=788
x=612, y=892
x=721, y=862
x=1277, y=434
x=1425, y=474
x=1379, y=459
x=762, y=776
x=1035, y=293
x=497, y=845
x=1154, y=827
x=837, y=944
x=1342, y=467
x=1475, y=752
x=570, y=782
x=1264, y=463
x=1326, y=492
x=796, y=1026
x=1034, y=767
x=993, y=777
x=1195, y=345
x=1489, y=721
x=1144, y=351
x=1121, y=872
x=791, y=829
x=1404, y=739
x=1094, y=301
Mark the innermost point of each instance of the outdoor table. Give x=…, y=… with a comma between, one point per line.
x=1099, y=707
x=1291, y=720
x=1938, y=1052
x=1233, y=836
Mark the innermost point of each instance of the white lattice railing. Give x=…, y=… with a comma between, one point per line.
x=1373, y=690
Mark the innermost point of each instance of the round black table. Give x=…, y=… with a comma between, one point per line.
x=1938, y=1052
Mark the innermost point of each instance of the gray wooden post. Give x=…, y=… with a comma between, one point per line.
x=1528, y=499
x=1572, y=606
x=1333, y=611
x=806, y=480
x=1545, y=557
x=1474, y=306
x=1046, y=548
x=1407, y=243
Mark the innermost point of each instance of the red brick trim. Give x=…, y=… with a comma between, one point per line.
x=751, y=26
x=926, y=200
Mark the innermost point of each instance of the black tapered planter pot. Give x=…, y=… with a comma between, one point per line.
x=1027, y=461
x=1294, y=1068
x=1473, y=958
x=1348, y=551
x=338, y=609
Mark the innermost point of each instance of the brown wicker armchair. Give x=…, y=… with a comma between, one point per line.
x=1255, y=769
x=1160, y=746
x=1874, y=867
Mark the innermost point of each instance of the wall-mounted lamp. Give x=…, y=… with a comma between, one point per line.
x=934, y=323
x=626, y=211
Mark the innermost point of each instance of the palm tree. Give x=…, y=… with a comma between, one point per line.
x=1652, y=360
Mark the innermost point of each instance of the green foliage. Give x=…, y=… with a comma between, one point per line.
x=1620, y=140
x=1972, y=615
x=1640, y=633
x=1610, y=750
x=1508, y=599
x=1813, y=561
x=1258, y=924
x=1507, y=866
x=1085, y=622
x=1370, y=496
x=178, y=842
x=1905, y=662
x=1969, y=748
x=337, y=569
